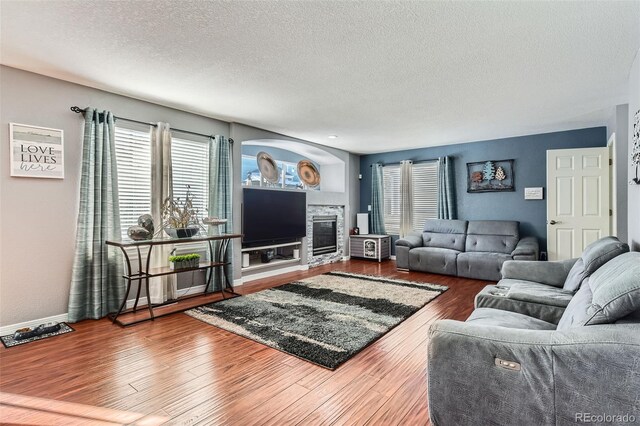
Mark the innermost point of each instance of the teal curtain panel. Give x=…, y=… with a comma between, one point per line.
x=220, y=198
x=96, y=282
x=446, y=189
x=377, y=200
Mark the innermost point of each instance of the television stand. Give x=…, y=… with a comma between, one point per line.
x=284, y=255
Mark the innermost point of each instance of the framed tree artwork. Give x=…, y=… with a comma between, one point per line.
x=491, y=176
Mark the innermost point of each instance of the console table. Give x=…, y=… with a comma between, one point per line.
x=146, y=272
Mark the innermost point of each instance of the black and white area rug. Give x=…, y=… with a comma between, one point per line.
x=8, y=341
x=325, y=319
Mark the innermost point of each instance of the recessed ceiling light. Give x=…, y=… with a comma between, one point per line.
x=333, y=136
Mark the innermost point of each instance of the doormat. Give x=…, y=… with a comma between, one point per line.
x=8, y=341
x=325, y=319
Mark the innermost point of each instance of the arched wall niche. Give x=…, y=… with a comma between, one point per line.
x=332, y=169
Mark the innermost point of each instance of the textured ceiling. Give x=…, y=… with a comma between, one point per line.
x=381, y=75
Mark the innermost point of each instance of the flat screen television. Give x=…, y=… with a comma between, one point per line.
x=273, y=216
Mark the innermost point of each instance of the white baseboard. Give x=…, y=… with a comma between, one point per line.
x=9, y=329
x=392, y=257
x=275, y=272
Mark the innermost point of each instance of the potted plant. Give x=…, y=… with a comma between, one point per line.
x=185, y=261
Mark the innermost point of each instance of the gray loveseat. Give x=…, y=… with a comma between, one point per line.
x=507, y=368
x=472, y=249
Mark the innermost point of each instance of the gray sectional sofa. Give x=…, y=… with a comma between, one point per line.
x=472, y=249
x=505, y=365
x=544, y=289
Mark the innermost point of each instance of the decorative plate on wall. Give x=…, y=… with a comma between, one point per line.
x=308, y=173
x=268, y=167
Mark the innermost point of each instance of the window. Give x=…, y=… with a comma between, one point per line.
x=251, y=173
x=190, y=161
x=133, y=155
x=391, y=191
x=425, y=195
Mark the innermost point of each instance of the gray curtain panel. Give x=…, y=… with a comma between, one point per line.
x=446, y=189
x=377, y=200
x=220, y=199
x=97, y=287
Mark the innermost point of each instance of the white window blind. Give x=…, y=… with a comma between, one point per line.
x=190, y=161
x=391, y=192
x=425, y=195
x=133, y=155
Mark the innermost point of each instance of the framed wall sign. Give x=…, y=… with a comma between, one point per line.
x=491, y=176
x=36, y=151
x=533, y=193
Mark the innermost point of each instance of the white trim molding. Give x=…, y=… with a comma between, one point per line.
x=11, y=328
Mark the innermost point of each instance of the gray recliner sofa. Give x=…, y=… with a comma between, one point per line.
x=472, y=249
x=544, y=289
x=506, y=368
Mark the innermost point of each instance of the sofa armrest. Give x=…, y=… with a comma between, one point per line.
x=557, y=375
x=411, y=241
x=526, y=249
x=550, y=273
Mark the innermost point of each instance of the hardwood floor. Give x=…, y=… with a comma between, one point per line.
x=179, y=368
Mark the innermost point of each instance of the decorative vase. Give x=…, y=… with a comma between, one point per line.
x=182, y=232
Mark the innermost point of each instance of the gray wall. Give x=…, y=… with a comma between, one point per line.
x=633, y=191
x=276, y=153
x=618, y=124
x=529, y=153
x=38, y=216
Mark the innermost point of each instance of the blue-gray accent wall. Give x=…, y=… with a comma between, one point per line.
x=529, y=153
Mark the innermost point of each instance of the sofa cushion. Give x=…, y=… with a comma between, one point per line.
x=594, y=256
x=610, y=294
x=433, y=259
x=527, y=291
x=616, y=289
x=448, y=234
x=482, y=266
x=576, y=313
x=497, y=317
x=494, y=236
x=496, y=297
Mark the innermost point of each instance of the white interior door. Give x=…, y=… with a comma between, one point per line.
x=577, y=200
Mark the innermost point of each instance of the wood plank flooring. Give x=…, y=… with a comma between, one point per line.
x=179, y=368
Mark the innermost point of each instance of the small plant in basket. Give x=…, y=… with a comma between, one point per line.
x=184, y=261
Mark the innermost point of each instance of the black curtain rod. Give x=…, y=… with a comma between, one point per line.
x=78, y=110
x=414, y=162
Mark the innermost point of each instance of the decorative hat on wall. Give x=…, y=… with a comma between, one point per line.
x=268, y=167
x=308, y=173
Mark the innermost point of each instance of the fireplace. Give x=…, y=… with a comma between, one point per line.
x=324, y=234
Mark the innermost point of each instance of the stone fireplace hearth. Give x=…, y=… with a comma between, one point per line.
x=325, y=234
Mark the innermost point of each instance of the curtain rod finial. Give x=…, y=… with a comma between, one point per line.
x=76, y=109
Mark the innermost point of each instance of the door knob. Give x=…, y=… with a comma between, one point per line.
x=553, y=222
